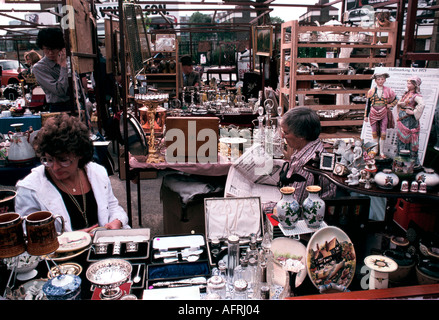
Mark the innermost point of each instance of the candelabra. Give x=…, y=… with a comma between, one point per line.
x=151, y=102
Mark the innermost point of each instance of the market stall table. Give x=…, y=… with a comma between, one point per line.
x=138, y=164
x=10, y=174
x=27, y=121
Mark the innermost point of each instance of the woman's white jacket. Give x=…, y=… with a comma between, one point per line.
x=36, y=193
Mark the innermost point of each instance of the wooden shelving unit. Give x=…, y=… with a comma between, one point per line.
x=168, y=82
x=366, y=47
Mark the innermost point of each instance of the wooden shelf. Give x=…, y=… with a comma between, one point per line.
x=332, y=89
x=167, y=82
x=161, y=74
x=432, y=194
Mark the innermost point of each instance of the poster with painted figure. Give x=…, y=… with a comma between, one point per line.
x=398, y=82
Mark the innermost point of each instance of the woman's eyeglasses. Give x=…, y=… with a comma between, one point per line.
x=63, y=162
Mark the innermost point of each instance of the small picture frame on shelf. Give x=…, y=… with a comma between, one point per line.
x=165, y=42
x=263, y=38
x=327, y=161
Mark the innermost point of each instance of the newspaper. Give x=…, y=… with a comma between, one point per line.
x=254, y=174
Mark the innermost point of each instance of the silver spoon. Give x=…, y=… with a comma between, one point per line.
x=137, y=278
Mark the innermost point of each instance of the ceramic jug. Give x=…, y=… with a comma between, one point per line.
x=288, y=209
x=12, y=241
x=42, y=236
x=313, y=207
x=20, y=149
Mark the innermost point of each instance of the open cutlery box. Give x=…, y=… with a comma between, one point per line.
x=241, y=216
x=177, y=257
x=128, y=244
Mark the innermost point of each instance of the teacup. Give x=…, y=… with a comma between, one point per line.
x=42, y=237
x=12, y=241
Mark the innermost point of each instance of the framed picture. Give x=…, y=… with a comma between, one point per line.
x=327, y=161
x=263, y=41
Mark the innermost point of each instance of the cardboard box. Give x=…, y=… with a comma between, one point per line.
x=192, y=134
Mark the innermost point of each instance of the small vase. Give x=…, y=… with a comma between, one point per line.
x=288, y=208
x=428, y=176
x=386, y=179
x=313, y=207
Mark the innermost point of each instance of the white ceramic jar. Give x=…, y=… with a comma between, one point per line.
x=386, y=179
x=428, y=176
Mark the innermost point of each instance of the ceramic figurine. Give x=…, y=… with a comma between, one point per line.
x=380, y=101
x=414, y=186
x=353, y=177
x=370, y=169
x=344, y=153
x=422, y=187
x=363, y=176
x=410, y=109
x=368, y=183
x=358, y=153
x=405, y=186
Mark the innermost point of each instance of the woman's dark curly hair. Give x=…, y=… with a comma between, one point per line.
x=64, y=134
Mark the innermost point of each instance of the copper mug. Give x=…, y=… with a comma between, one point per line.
x=12, y=241
x=42, y=237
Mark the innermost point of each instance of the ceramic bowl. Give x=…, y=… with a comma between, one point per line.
x=28, y=265
x=25, y=264
x=405, y=263
x=424, y=278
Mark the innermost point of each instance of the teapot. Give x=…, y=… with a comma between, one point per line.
x=20, y=149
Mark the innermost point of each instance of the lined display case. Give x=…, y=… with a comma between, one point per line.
x=329, y=69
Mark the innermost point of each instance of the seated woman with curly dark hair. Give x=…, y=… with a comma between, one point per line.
x=68, y=183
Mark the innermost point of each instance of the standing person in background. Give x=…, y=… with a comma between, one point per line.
x=191, y=78
x=31, y=58
x=51, y=71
